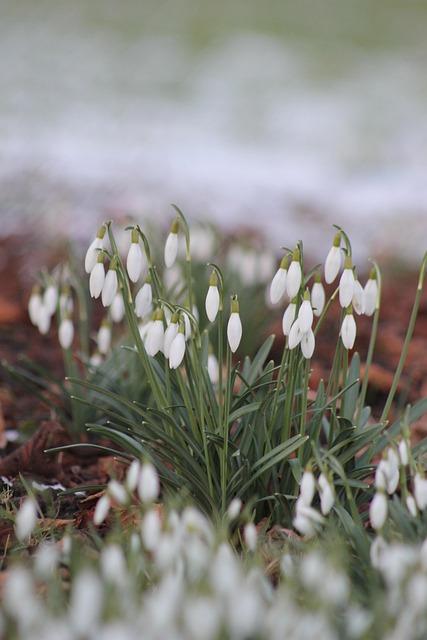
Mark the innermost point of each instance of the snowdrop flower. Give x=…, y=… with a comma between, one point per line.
x=104, y=337
x=132, y=475
x=371, y=293
x=212, y=302
x=177, y=349
x=34, y=304
x=66, y=333
x=346, y=289
x=117, y=492
x=234, y=327
x=307, y=487
x=148, y=485
x=378, y=510
x=144, y=300
x=111, y=285
x=117, y=309
x=327, y=494
x=187, y=325
x=411, y=505
x=155, y=335
x=348, y=329
x=26, y=519
x=96, y=359
x=213, y=368
x=151, y=529
x=289, y=317
x=294, y=275
x=278, y=284
x=95, y=247
x=308, y=343
x=404, y=452
x=66, y=305
x=234, y=508
x=170, y=333
x=306, y=519
x=50, y=298
x=97, y=277
x=318, y=297
x=358, y=299
x=388, y=472
x=135, y=258
x=46, y=560
x=420, y=491
x=333, y=260
x=250, y=536
x=305, y=313
x=43, y=320
x=295, y=335
x=86, y=603
x=113, y=564
x=171, y=245
x=101, y=510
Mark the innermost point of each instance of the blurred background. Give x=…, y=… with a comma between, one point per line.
x=287, y=116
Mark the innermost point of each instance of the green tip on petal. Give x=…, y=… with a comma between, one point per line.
x=158, y=314
x=284, y=263
x=337, y=239
x=213, y=280
x=234, y=304
x=348, y=263
x=175, y=226
x=296, y=255
x=317, y=277
x=373, y=274
x=134, y=235
x=349, y=310
x=100, y=257
x=306, y=294
x=101, y=231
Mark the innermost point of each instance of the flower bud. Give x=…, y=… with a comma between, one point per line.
x=333, y=260
x=294, y=275
x=97, y=277
x=171, y=245
x=212, y=298
x=378, y=510
x=144, y=300
x=234, y=327
x=347, y=281
x=135, y=258
x=348, y=329
x=66, y=333
x=289, y=317
x=278, y=284
x=148, y=485
x=177, y=349
x=92, y=253
x=26, y=519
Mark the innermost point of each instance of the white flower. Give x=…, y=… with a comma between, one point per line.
x=305, y=314
x=43, y=320
x=295, y=335
x=110, y=287
x=148, y=485
x=294, y=276
x=155, y=335
x=66, y=304
x=132, y=475
x=86, y=604
x=212, y=300
x=387, y=472
x=92, y=253
x=333, y=260
x=307, y=487
x=346, y=289
x=117, y=491
x=306, y=519
x=135, y=258
x=371, y=294
x=411, y=505
x=66, y=333
x=97, y=278
x=213, y=368
x=144, y=300
x=170, y=333
x=404, y=453
x=278, y=284
x=358, y=300
x=234, y=327
x=34, y=304
x=348, y=330
x=104, y=338
x=171, y=245
x=177, y=350
x=151, y=529
x=117, y=309
x=420, y=491
x=187, y=325
x=307, y=344
x=250, y=536
x=288, y=318
x=26, y=519
x=327, y=494
x=318, y=298
x=378, y=510
x=96, y=359
x=113, y=564
x=234, y=508
x=101, y=510
x=50, y=298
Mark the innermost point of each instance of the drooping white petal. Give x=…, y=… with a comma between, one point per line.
x=117, y=309
x=34, y=304
x=358, y=298
x=155, y=338
x=43, y=320
x=278, y=286
x=144, y=300
x=109, y=289
x=318, y=298
x=66, y=333
x=346, y=290
x=293, y=279
x=151, y=529
x=101, y=510
x=104, y=339
x=213, y=368
x=411, y=505
x=348, y=331
x=212, y=303
x=378, y=510
x=307, y=488
x=327, y=494
x=307, y=344
x=305, y=316
x=234, y=508
x=117, y=491
x=132, y=475
x=333, y=264
x=295, y=335
x=148, y=485
x=187, y=326
x=26, y=519
x=96, y=280
x=234, y=331
x=171, y=249
x=404, y=453
x=250, y=536
x=177, y=351
x=420, y=491
x=371, y=293
x=288, y=318
x=170, y=334
x=135, y=261
x=92, y=253
x=50, y=298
